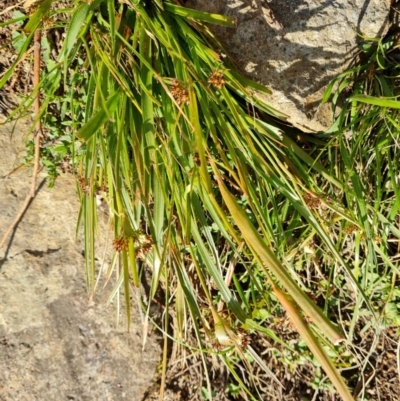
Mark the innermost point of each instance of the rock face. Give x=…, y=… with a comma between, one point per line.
x=54, y=343
x=296, y=47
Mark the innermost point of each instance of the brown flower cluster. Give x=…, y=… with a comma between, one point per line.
x=350, y=229
x=180, y=94
x=83, y=184
x=48, y=22
x=144, y=245
x=312, y=201
x=120, y=243
x=217, y=79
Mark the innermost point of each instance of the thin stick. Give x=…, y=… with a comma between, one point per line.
x=37, y=134
x=38, y=127
x=11, y=7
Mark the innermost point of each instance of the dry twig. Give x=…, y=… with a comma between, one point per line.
x=37, y=134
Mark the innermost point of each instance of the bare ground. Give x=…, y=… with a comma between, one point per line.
x=55, y=343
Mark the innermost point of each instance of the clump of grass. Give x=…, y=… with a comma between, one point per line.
x=362, y=153
x=363, y=144
x=206, y=191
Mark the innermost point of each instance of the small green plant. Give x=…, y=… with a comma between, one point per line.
x=233, y=390
x=206, y=395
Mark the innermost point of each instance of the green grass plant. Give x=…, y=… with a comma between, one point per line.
x=362, y=153
x=211, y=195
x=363, y=144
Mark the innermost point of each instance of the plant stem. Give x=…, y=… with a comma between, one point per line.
x=37, y=135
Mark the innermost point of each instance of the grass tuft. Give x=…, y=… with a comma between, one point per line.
x=239, y=227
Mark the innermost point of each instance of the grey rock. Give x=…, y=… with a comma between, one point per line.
x=296, y=47
x=56, y=344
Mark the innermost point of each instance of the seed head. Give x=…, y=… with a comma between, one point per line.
x=120, y=243
x=350, y=229
x=180, y=94
x=144, y=245
x=312, y=201
x=217, y=79
x=83, y=184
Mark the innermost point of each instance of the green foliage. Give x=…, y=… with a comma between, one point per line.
x=208, y=192
x=366, y=134
x=205, y=394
